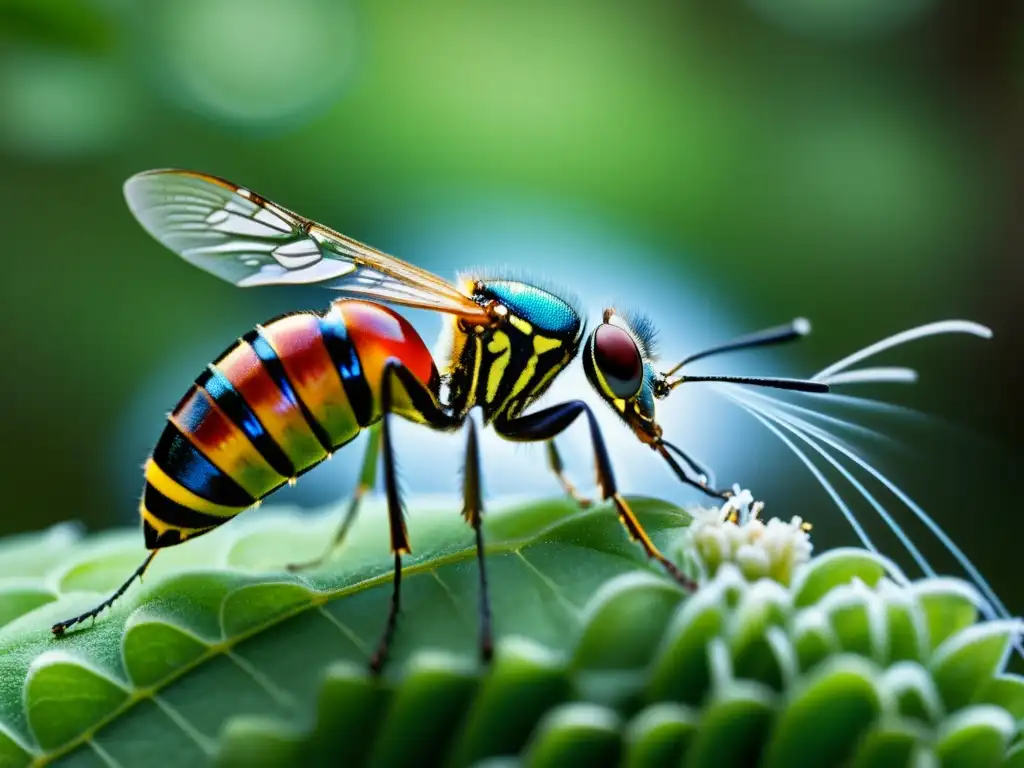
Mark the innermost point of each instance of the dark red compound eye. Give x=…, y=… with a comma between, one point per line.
x=618, y=359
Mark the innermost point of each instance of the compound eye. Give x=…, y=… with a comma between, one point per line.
x=618, y=359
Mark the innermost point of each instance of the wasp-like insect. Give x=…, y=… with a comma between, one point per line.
x=294, y=390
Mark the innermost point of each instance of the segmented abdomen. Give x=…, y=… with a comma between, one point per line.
x=275, y=404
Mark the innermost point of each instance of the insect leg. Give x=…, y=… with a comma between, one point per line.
x=367, y=479
x=427, y=408
x=472, y=510
x=61, y=626
x=691, y=474
x=555, y=462
x=545, y=424
x=703, y=472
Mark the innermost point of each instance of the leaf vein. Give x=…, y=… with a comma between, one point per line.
x=456, y=605
x=513, y=545
x=571, y=608
x=105, y=756
x=279, y=695
x=185, y=725
x=359, y=643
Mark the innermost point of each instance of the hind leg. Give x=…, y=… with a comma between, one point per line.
x=367, y=479
x=61, y=626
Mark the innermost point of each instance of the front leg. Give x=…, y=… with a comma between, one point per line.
x=545, y=425
x=691, y=474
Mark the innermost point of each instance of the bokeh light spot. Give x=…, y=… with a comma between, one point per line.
x=256, y=63
x=60, y=105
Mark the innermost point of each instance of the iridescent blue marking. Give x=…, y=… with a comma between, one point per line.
x=645, y=397
x=192, y=418
x=273, y=366
x=220, y=389
x=272, y=363
x=541, y=309
x=186, y=465
x=346, y=362
x=236, y=409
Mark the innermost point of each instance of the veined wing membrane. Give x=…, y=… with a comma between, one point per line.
x=243, y=238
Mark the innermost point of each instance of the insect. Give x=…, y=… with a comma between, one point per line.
x=294, y=390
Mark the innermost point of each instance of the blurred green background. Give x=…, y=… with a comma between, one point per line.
x=856, y=161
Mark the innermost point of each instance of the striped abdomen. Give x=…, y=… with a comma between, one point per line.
x=276, y=403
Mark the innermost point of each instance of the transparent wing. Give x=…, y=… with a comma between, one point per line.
x=243, y=238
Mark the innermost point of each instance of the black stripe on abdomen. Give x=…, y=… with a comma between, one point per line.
x=172, y=513
x=346, y=363
x=186, y=465
x=236, y=409
x=265, y=352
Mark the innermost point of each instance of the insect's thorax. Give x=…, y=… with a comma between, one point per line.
x=506, y=367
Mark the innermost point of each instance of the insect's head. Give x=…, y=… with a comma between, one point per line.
x=619, y=363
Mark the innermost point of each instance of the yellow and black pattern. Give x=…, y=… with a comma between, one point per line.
x=278, y=402
x=505, y=368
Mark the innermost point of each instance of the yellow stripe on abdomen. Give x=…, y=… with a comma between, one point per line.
x=224, y=444
x=177, y=493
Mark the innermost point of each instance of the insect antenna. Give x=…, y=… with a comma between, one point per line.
x=778, y=334
x=875, y=376
x=794, y=385
x=911, y=334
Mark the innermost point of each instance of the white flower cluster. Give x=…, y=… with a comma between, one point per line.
x=733, y=533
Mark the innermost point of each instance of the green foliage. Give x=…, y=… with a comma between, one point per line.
x=224, y=658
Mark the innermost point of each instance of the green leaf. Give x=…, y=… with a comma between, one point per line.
x=18, y=597
x=659, y=735
x=976, y=737
x=349, y=709
x=221, y=636
x=733, y=729
x=907, y=630
x=966, y=662
x=949, y=606
x=1015, y=757
x=576, y=734
x=913, y=692
x=65, y=697
x=823, y=721
x=524, y=682
x=887, y=747
x=436, y=691
x=838, y=567
x=681, y=671
x=34, y=554
x=224, y=658
x=1006, y=691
